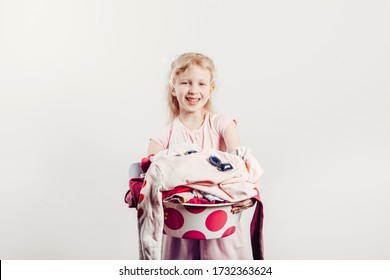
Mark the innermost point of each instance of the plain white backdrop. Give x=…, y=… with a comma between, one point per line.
x=82, y=86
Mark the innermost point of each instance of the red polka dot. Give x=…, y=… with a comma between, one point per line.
x=194, y=209
x=144, y=184
x=140, y=212
x=164, y=232
x=194, y=234
x=174, y=219
x=141, y=198
x=216, y=220
x=229, y=231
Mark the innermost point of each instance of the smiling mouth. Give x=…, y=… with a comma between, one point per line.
x=192, y=100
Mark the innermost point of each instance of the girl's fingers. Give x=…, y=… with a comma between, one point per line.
x=242, y=205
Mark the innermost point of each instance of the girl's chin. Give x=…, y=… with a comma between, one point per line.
x=191, y=109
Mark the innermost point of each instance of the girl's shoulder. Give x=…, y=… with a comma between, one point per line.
x=219, y=116
x=163, y=135
x=220, y=121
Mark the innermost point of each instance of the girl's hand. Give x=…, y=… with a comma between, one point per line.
x=243, y=205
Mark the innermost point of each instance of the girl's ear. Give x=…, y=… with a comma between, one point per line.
x=212, y=88
x=172, y=89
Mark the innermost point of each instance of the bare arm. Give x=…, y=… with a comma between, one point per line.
x=154, y=147
x=231, y=137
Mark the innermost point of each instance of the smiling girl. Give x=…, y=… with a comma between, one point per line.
x=190, y=87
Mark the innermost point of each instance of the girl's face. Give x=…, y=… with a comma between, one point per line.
x=193, y=89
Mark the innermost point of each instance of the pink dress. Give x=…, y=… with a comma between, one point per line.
x=209, y=135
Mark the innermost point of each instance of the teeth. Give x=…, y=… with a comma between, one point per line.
x=192, y=100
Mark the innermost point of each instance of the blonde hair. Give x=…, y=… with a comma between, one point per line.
x=180, y=65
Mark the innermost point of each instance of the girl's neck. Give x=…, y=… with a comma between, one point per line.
x=192, y=120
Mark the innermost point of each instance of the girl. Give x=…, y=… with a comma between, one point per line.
x=190, y=87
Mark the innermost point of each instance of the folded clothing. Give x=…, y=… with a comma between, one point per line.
x=182, y=194
x=180, y=197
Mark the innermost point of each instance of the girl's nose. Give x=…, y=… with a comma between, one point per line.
x=193, y=90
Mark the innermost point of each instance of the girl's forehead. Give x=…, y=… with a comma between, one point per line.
x=196, y=71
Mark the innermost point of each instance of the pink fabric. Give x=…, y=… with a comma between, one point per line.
x=135, y=184
x=132, y=195
x=256, y=230
x=209, y=135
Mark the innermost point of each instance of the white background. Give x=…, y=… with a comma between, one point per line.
x=82, y=87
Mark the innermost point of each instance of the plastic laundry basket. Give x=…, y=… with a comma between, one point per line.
x=199, y=221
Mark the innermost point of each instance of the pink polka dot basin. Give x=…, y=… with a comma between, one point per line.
x=199, y=221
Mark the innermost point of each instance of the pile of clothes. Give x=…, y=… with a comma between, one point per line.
x=193, y=176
